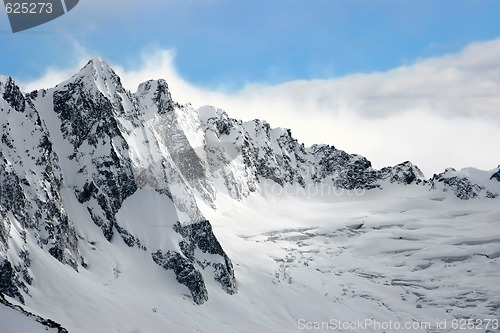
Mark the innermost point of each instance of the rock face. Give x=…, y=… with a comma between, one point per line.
x=461, y=186
x=48, y=323
x=496, y=175
x=198, y=236
x=71, y=156
x=185, y=272
x=9, y=282
x=403, y=173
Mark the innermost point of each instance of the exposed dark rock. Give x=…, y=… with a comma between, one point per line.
x=496, y=175
x=23, y=266
x=403, y=173
x=13, y=95
x=84, y=117
x=462, y=187
x=200, y=235
x=129, y=239
x=185, y=272
x=162, y=97
x=49, y=323
x=491, y=195
x=88, y=190
x=106, y=227
x=10, y=284
x=12, y=198
x=4, y=233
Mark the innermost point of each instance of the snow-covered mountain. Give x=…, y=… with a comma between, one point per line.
x=124, y=211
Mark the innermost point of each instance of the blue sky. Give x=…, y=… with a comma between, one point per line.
x=391, y=80
x=228, y=43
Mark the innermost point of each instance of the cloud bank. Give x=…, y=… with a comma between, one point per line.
x=438, y=112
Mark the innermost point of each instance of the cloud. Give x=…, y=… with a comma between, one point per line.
x=437, y=112
x=464, y=84
x=54, y=75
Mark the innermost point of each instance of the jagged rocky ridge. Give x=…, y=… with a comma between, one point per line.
x=92, y=144
x=48, y=323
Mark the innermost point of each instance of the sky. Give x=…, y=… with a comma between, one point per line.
x=390, y=80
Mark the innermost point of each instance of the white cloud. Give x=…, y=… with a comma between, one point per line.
x=54, y=75
x=438, y=112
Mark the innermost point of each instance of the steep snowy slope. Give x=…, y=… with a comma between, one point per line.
x=124, y=211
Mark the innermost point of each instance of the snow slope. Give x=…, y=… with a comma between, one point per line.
x=407, y=256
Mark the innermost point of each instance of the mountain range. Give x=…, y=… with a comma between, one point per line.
x=128, y=212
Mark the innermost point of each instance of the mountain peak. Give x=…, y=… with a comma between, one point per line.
x=158, y=92
x=4, y=79
x=99, y=64
x=98, y=73
x=11, y=93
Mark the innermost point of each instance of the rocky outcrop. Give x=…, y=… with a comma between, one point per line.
x=187, y=264
x=12, y=95
x=404, y=173
x=10, y=284
x=496, y=175
x=200, y=236
x=185, y=272
x=48, y=323
x=462, y=187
